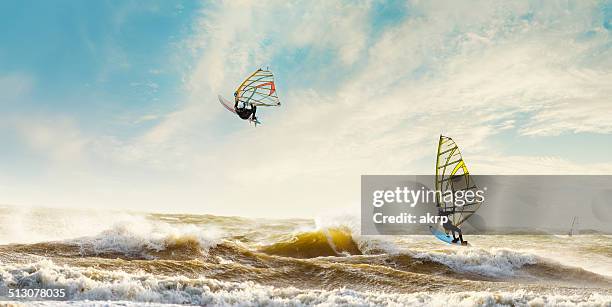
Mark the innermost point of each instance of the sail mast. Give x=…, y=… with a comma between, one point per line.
x=571, y=232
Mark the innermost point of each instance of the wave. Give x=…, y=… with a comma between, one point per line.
x=334, y=235
x=34, y=225
x=144, y=240
x=203, y=249
x=340, y=239
x=160, y=240
x=99, y=285
x=153, y=239
x=505, y=264
x=495, y=263
x=317, y=243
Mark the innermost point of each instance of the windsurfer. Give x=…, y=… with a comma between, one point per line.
x=243, y=111
x=450, y=227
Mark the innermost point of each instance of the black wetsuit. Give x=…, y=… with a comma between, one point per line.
x=449, y=227
x=244, y=112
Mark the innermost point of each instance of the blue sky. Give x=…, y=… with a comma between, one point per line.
x=112, y=104
x=97, y=59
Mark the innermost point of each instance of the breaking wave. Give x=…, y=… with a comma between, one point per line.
x=495, y=263
x=209, y=260
x=99, y=285
x=317, y=243
x=149, y=240
x=131, y=240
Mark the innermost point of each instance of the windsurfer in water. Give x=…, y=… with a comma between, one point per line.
x=245, y=111
x=450, y=227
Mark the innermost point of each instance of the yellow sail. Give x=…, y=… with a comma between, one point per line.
x=452, y=175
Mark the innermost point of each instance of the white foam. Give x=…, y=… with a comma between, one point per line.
x=140, y=235
x=84, y=285
x=32, y=225
x=102, y=231
x=494, y=262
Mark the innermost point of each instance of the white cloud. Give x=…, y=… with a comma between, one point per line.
x=57, y=138
x=323, y=24
x=535, y=165
x=146, y=118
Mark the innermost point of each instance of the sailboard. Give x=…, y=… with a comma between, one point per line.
x=452, y=175
x=444, y=237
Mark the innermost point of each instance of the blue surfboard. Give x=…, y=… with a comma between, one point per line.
x=442, y=236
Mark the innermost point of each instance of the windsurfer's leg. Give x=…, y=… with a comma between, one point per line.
x=454, y=237
x=460, y=235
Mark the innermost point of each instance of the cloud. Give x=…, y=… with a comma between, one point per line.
x=534, y=165
x=146, y=118
x=326, y=25
x=59, y=138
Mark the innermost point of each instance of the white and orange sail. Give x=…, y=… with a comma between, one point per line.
x=258, y=89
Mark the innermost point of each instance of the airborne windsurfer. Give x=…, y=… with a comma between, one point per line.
x=243, y=111
x=256, y=90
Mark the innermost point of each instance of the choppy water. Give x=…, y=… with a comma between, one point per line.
x=131, y=258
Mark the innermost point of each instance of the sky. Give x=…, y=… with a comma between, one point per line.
x=113, y=104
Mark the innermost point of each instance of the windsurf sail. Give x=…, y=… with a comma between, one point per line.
x=452, y=175
x=258, y=89
x=574, y=229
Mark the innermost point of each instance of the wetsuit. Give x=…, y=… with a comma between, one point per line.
x=449, y=227
x=244, y=112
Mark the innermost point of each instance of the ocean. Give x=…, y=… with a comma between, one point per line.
x=131, y=259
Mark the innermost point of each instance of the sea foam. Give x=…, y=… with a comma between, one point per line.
x=84, y=285
x=494, y=262
x=140, y=237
